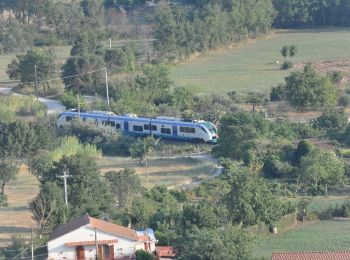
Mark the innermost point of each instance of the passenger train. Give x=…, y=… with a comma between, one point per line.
x=161, y=126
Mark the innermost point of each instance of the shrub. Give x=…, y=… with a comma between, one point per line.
x=69, y=100
x=344, y=100
x=143, y=255
x=304, y=147
x=286, y=65
x=277, y=93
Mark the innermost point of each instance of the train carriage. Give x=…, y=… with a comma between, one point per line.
x=162, y=127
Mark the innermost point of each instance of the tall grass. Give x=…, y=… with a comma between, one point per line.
x=10, y=106
x=71, y=146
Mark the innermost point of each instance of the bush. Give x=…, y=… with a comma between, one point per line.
x=277, y=93
x=344, y=100
x=286, y=65
x=143, y=255
x=69, y=100
x=304, y=147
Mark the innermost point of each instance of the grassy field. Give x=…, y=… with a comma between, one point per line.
x=169, y=172
x=16, y=218
x=252, y=66
x=320, y=236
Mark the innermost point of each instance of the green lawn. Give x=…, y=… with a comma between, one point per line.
x=252, y=66
x=320, y=236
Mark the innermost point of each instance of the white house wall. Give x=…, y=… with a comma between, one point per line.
x=58, y=250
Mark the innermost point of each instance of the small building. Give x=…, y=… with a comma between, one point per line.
x=337, y=255
x=79, y=238
x=165, y=252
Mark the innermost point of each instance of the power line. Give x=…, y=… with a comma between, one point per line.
x=67, y=77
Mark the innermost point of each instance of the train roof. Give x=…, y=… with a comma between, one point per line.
x=133, y=117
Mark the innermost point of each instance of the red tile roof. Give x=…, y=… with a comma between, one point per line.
x=340, y=255
x=165, y=251
x=113, y=229
x=101, y=225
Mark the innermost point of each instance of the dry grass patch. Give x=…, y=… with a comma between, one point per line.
x=17, y=218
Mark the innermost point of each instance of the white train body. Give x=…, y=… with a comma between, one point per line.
x=162, y=127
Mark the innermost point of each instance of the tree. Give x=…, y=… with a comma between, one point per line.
x=293, y=49
x=126, y=185
x=250, y=201
x=23, y=67
x=304, y=148
x=17, y=139
x=308, y=90
x=86, y=61
x=321, y=167
x=48, y=208
x=88, y=192
x=215, y=243
x=333, y=122
x=141, y=148
x=8, y=172
x=284, y=51
x=204, y=215
x=238, y=133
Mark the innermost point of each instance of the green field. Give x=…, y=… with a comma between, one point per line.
x=320, y=236
x=252, y=66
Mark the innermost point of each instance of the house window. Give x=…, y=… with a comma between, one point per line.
x=137, y=128
x=166, y=131
x=189, y=130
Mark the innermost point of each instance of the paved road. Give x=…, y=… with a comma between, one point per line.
x=53, y=106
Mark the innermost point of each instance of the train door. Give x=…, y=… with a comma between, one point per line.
x=126, y=126
x=174, y=130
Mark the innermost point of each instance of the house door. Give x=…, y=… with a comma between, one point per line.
x=80, y=252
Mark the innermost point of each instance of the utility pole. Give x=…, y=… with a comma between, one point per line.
x=32, y=243
x=96, y=246
x=110, y=43
x=65, y=176
x=36, y=83
x=107, y=91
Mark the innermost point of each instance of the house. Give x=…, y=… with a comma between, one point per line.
x=79, y=238
x=340, y=255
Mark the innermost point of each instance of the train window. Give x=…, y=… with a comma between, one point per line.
x=154, y=128
x=137, y=128
x=146, y=127
x=112, y=123
x=104, y=122
x=189, y=130
x=165, y=131
x=68, y=118
x=205, y=131
x=117, y=126
x=84, y=119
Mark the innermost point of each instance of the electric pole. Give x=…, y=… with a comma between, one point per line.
x=107, y=91
x=110, y=43
x=32, y=243
x=96, y=246
x=65, y=176
x=36, y=83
